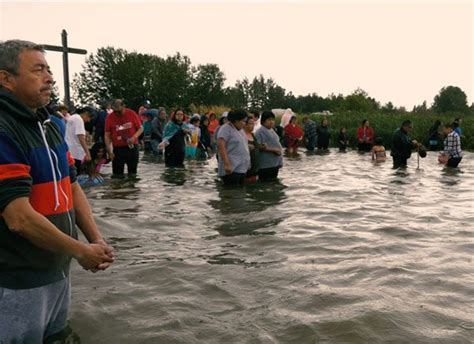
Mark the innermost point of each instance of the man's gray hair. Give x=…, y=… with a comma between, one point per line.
x=10, y=53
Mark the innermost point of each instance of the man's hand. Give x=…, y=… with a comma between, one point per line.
x=228, y=168
x=111, y=156
x=88, y=156
x=95, y=257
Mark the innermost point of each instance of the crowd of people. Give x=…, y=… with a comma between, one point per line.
x=248, y=145
x=43, y=147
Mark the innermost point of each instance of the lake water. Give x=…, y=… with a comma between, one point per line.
x=338, y=251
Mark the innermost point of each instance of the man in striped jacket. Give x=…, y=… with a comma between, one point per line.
x=40, y=204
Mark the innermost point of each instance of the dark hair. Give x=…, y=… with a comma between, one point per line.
x=455, y=124
x=256, y=113
x=293, y=117
x=86, y=110
x=236, y=115
x=88, y=167
x=266, y=115
x=305, y=118
x=222, y=119
x=450, y=125
x=194, y=119
x=324, y=119
x=173, y=115
x=406, y=122
x=340, y=130
x=364, y=121
x=378, y=141
x=95, y=149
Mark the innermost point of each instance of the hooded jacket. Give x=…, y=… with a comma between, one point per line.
x=34, y=163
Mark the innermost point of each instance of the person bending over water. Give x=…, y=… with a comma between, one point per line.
x=270, y=153
x=232, y=148
x=402, y=145
x=452, y=153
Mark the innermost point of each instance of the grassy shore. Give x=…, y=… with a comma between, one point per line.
x=385, y=124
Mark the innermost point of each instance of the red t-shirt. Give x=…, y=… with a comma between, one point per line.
x=122, y=127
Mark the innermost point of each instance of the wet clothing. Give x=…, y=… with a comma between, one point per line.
x=452, y=148
x=174, y=152
x=342, y=141
x=365, y=138
x=324, y=136
x=270, y=139
x=237, y=150
x=310, y=135
x=266, y=174
x=434, y=137
x=254, y=149
x=27, y=170
x=122, y=127
x=125, y=156
x=293, y=134
x=401, y=148
x=40, y=313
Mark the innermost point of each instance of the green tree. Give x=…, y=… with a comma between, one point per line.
x=450, y=99
x=207, y=85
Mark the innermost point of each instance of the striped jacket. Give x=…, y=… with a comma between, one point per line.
x=34, y=163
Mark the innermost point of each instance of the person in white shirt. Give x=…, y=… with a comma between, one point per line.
x=76, y=136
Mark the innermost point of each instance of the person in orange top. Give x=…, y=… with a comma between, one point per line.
x=213, y=123
x=365, y=137
x=293, y=136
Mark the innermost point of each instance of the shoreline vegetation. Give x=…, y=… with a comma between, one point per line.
x=174, y=82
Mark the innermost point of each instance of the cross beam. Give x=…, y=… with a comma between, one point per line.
x=65, y=50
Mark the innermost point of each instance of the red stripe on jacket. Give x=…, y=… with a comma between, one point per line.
x=10, y=171
x=70, y=159
x=42, y=197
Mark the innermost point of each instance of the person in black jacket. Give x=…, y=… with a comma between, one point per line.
x=324, y=134
x=402, y=145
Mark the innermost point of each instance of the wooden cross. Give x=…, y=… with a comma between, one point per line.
x=65, y=50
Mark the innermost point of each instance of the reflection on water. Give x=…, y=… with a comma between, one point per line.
x=339, y=250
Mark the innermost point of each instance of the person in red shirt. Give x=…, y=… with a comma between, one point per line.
x=365, y=137
x=122, y=129
x=293, y=136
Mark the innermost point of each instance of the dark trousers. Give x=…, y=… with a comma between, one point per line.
x=311, y=144
x=399, y=162
x=453, y=162
x=125, y=156
x=268, y=173
x=234, y=179
x=364, y=147
x=78, y=164
x=174, y=157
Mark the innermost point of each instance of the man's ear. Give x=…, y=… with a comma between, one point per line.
x=6, y=79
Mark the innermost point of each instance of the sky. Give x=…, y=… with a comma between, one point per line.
x=400, y=51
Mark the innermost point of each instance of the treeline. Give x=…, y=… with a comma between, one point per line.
x=173, y=81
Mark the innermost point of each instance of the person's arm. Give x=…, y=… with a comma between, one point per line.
x=85, y=220
x=108, y=145
x=23, y=220
x=82, y=141
x=223, y=155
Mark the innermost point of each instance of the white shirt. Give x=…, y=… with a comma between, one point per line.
x=74, y=127
x=256, y=125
